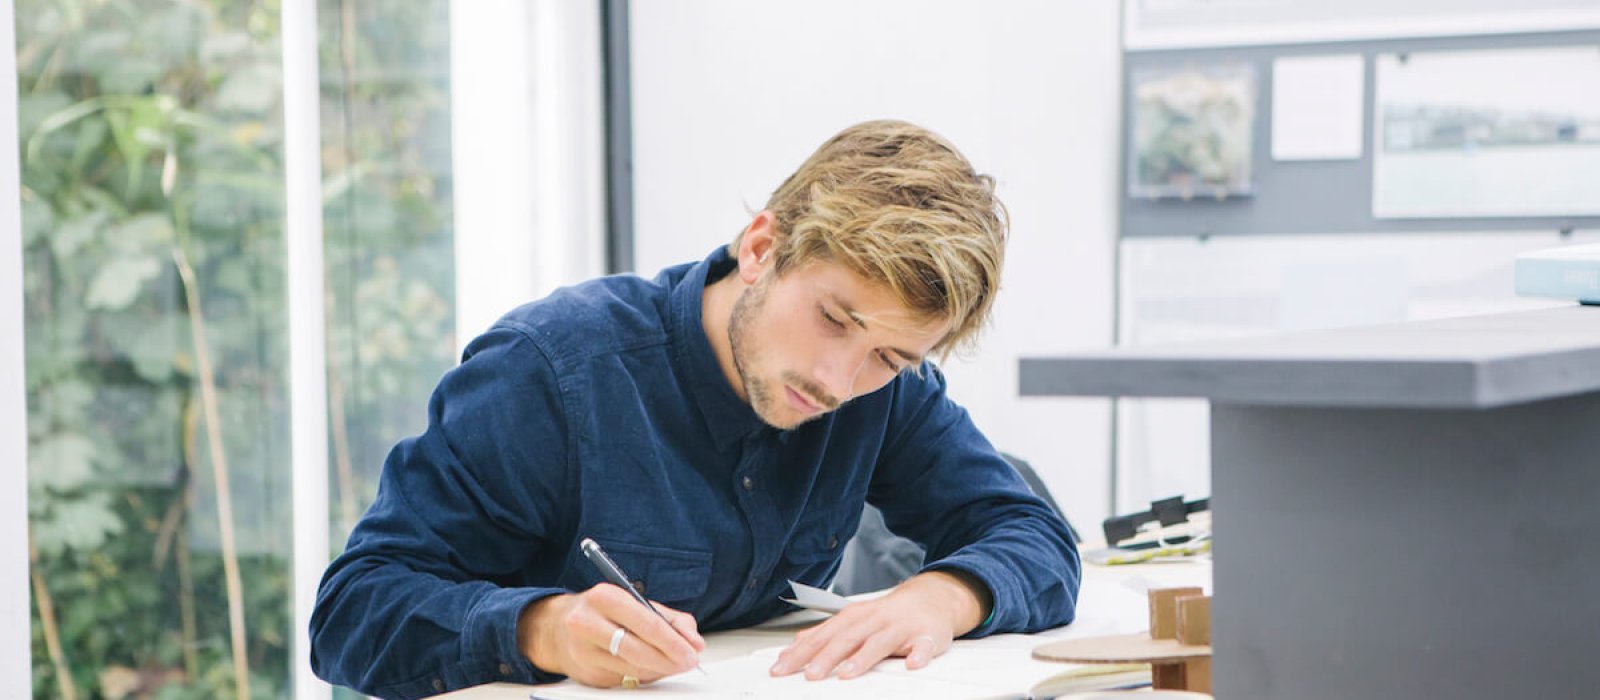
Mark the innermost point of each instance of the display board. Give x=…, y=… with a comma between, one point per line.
x=1170, y=24
x=1204, y=94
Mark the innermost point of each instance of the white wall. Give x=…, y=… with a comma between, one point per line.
x=1178, y=289
x=729, y=97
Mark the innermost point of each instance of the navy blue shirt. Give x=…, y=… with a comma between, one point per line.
x=601, y=411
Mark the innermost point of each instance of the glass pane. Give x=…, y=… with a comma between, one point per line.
x=386, y=170
x=152, y=194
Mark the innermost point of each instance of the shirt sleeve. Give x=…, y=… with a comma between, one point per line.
x=411, y=607
x=941, y=483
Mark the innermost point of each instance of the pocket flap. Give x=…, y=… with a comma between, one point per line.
x=660, y=573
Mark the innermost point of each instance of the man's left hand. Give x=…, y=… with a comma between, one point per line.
x=917, y=620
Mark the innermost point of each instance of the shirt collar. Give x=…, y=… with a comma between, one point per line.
x=728, y=418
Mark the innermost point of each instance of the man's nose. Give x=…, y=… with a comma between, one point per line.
x=838, y=374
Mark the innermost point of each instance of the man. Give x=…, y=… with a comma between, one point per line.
x=717, y=430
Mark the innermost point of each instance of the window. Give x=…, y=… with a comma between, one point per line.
x=152, y=149
x=152, y=197
x=155, y=298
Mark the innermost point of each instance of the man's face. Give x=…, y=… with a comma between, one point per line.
x=807, y=342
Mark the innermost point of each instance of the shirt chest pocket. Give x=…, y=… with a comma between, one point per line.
x=676, y=577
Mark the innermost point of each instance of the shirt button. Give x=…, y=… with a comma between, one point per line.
x=749, y=484
x=833, y=542
x=752, y=584
x=438, y=685
x=505, y=669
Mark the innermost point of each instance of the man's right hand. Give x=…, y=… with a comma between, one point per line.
x=571, y=634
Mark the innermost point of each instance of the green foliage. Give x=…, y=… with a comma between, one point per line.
x=153, y=126
x=387, y=211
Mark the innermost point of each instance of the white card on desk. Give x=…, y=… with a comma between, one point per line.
x=813, y=598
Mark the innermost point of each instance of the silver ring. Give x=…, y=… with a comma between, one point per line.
x=616, y=641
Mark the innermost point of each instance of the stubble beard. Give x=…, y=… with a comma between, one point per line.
x=745, y=310
x=756, y=390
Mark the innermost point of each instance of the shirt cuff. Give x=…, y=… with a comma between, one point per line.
x=1004, y=590
x=490, y=635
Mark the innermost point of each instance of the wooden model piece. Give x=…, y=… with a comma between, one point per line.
x=1177, y=647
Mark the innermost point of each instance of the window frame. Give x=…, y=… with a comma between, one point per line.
x=16, y=638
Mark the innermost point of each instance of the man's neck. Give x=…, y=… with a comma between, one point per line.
x=716, y=311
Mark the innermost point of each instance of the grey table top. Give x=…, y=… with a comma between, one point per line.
x=1466, y=362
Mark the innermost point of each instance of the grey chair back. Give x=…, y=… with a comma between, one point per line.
x=876, y=558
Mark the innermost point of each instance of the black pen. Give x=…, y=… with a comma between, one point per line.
x=613, y=573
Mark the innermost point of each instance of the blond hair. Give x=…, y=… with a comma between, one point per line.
x=898, y=205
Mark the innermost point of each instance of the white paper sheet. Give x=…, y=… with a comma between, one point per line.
x=813, y=598
x=1318, y=107
x=998, y=666
x=747, y=677
x=967, y=671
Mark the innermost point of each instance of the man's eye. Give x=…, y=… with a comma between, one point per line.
x=884, y=358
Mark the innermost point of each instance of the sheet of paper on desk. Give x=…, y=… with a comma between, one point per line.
x=998, y=666
x=747, y=677
x=963, y=673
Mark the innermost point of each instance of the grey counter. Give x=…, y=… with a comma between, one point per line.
x=1469, y=362
x=1402, y=511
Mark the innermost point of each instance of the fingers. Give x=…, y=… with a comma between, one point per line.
x=834, y=651
x=851, y=645
x=922, y=650
x=648, y=649
x=685, y=624
x=633, y=657
x=874, y=649
x=652, y=643
x=664, y=639
x=627, y=663
x=806, y=645
x=818, y=651
x=607, y=671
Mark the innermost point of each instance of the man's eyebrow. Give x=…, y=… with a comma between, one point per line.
x=910, y=357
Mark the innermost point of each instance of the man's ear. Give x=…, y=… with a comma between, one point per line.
x=755, y=246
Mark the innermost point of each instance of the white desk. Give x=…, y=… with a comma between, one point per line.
x=1112, y=602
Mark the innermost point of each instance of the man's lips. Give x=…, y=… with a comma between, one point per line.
x=800, y=400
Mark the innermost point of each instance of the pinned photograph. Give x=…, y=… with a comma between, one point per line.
x=1509, y=132
x=1193, y=131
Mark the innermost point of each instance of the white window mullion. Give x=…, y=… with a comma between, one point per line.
x=16, y=673
x=308, y=386
x=491, y=150
x=569, y=140
x=527, y=151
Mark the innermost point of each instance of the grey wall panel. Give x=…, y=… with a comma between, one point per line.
x=1311, y=196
